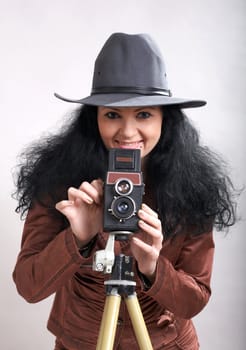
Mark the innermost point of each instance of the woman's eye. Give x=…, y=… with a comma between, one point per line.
x=143, y=115
x=112, y=115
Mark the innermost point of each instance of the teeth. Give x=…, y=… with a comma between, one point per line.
x=130, y=144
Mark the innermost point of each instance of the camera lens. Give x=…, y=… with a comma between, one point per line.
x=123, y=186
x=123, y=207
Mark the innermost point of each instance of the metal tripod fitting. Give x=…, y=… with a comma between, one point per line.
x=103, y=260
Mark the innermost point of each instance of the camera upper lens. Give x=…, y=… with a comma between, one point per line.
x=123, y=186
x=123, y=207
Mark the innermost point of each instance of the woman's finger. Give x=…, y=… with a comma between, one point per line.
x=146, y=248
x=148, y=210
x=149, y=218
x=64, y=204
x=154, y=236
x=74, y=193
x=151, y=225
x=93, y=190
x=66, y=207
x=98, y=185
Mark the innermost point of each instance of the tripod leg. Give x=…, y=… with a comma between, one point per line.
x=138, y=323
x=109, y=322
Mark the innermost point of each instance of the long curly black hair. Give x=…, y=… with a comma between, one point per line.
x=189, y=183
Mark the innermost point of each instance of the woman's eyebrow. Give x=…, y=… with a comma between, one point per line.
x=111, y=108
x=137, y=109
x=142, y=108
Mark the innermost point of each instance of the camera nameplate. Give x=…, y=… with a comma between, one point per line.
x=135, y=178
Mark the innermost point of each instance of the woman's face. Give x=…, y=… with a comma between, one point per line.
x=130, y=127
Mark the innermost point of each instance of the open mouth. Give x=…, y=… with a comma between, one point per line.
x=132, y=145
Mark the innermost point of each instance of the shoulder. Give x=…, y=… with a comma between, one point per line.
x=186, y=243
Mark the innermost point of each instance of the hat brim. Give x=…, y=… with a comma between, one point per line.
x=134, y=100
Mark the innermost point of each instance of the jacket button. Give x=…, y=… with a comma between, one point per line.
x=120, y=322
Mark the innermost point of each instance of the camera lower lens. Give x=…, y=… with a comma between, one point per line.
x=123, y=207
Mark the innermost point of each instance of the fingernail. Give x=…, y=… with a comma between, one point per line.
x=141, y=212
x=72, y=189
x=141, y=223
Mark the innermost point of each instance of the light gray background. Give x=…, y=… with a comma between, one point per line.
x=49, y=46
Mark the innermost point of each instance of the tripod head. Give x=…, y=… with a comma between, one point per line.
x=103, y=260
x=120, y=285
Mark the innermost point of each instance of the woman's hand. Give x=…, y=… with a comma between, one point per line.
x=147, y=243
x=83, y=210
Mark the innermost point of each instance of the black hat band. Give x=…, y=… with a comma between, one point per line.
x=130, y=90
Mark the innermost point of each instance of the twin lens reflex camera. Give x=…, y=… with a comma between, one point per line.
x=123, y=191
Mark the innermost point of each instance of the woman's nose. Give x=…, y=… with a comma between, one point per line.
x=128, y=129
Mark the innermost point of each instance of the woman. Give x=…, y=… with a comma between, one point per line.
x=187, y=193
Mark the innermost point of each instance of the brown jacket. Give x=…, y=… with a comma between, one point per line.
x=49, y=262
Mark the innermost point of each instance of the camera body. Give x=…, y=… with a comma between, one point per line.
x=123, y=191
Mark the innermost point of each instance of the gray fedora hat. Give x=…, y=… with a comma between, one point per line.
x=130, y=72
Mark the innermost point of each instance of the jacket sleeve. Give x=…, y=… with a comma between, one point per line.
x=183, y=287
x=48, y=257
